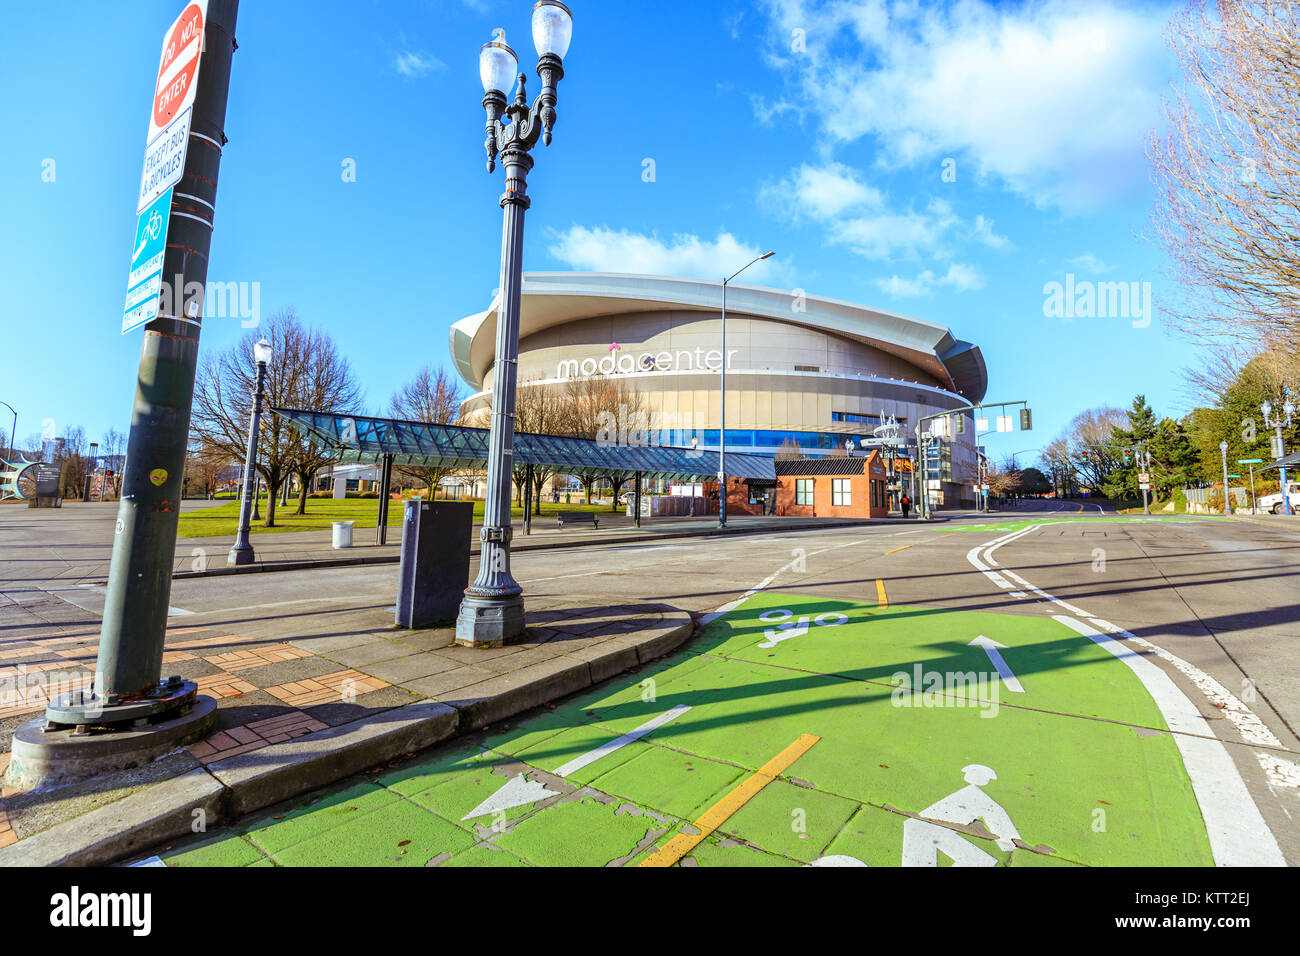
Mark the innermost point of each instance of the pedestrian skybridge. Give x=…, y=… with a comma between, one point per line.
x=358, y=438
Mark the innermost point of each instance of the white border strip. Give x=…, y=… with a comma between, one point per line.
x=1238, y=834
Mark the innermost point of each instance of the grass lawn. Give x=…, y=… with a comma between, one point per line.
x=223, y=519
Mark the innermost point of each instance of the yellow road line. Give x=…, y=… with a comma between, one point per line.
x=716, y=815
x=903, y=548
x=882, y=599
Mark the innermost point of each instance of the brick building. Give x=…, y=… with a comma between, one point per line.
x=812, y=487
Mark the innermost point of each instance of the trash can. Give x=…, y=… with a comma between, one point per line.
x=343, y=534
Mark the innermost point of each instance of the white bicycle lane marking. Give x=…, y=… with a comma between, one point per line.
x=1237, y=831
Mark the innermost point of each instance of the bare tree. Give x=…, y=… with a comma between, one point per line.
x=432, y=397
x=539, y=410
x=70, y=453
x=113, y=447
x=608, y=410
x=205, y=465
x=1228, y=176
x=306, y=372
x=1084, y=454
x=324, y=383
x=788, y=451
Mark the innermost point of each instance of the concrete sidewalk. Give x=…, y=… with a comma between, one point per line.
x=304, y=697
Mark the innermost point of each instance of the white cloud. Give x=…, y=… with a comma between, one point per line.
x=855, y=214
x=411, y=63
x=820, y=192
x=1090, y=263
x=1053, y=99
x=601, y=249
x=982, y=231
x=958, y=278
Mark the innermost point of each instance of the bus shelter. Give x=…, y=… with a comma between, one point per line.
x=387, y=442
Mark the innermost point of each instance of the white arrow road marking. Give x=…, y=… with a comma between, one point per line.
x=995, y=656
x=518, y=791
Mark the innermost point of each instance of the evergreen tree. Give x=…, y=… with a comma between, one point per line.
x=1123, y=482
x=1174, y=459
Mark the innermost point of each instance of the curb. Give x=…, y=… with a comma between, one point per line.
x=260, y=568
x=244, y=783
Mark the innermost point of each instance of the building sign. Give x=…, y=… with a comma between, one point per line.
x=47, y=480
x=681, y=360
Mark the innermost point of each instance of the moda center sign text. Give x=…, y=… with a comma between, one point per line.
x=625, y=363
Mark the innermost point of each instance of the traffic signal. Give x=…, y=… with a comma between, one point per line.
x=1026, y=420
x=961, y=424
x=1127, y=455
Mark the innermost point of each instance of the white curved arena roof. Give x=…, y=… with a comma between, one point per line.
x=557, y=298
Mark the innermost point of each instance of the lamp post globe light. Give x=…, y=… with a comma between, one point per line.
x=722, y=433
x=241, y=552
x=1223, y=453
x=492, y=611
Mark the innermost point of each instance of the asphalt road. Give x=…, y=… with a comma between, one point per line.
x=1209, y=603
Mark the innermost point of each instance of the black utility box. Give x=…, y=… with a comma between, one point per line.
x=434, y=570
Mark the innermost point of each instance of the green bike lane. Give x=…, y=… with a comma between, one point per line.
x=794, y=729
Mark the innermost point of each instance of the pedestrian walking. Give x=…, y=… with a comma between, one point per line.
x=906, y=502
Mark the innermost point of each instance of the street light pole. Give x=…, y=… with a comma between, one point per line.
x=1223, y=453
x=722, y=432
x=1276, y=423
x=241, y=552
x=492, y=611
x=13, y=433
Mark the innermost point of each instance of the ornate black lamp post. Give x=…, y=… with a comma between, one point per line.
x=1276, y=422
x=493, y=609
x=242, y=550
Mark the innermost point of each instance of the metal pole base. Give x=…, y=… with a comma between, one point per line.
x=486, y=621
x=244, y=555
x=90, y=713
x=46, y=756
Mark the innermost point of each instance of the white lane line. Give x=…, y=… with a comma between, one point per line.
x=1238, y=834
x=558, y=577
x=1043, y=594
x=991, y=648
x=577, y=763
x=1280, y=772
x=518, y=790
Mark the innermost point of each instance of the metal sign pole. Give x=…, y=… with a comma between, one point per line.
x=127, y=681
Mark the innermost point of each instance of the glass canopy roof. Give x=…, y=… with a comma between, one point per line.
x=357, y=438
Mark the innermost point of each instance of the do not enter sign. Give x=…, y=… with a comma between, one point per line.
x=178, y=67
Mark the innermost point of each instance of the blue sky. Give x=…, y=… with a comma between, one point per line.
x=822, y=130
